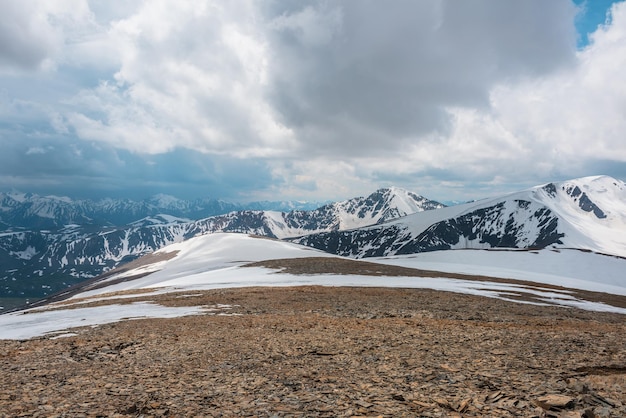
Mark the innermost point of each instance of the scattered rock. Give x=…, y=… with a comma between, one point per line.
x=363, y=404
x=549, y=402
x=310, y=351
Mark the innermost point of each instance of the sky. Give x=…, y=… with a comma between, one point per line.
x=309, y=100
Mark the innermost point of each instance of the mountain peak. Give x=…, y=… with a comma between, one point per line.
x=588, y=213
x=401, y=202
x=600, y=195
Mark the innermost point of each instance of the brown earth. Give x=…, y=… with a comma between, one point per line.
x=323, y=351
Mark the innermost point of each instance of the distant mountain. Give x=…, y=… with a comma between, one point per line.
x=36, y=263
x=587, y=213
x=381, y=206
x=19, y=211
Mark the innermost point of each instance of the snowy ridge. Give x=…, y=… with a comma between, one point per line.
x=213, y=261
x=592, y=212
x=587, y=213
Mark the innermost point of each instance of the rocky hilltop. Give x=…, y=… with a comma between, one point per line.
x=316, y=351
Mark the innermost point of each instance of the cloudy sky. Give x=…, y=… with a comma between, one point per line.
x=250, y=100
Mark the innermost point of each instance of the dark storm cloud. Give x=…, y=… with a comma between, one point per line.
x=370, y=73
x=80, y=169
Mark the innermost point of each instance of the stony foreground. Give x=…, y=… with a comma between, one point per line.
x=314, y=351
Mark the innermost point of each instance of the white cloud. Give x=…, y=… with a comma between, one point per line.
x=33, y=33
x=337, y=98
x=35, y=150
x=191, y=76
x=546, y=125
x=313, y=27
x=389, y=70
x=535, y=129
x=320, y=78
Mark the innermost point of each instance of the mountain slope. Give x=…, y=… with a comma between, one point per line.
x=587, y=213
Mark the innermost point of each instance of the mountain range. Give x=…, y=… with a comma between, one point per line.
x=38, y=262
x=31, y=211
x=587, y=214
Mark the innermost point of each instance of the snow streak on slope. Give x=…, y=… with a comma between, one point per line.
x=18, y=326
x=588, y=213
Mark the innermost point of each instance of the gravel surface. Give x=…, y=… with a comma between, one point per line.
x=324, y=351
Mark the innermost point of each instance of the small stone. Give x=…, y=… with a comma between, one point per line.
x=363, y=404
x=464, y=404
x=555, y=401
x=442, y=402
x=602, y=412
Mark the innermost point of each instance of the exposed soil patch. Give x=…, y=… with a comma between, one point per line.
x=324, y=351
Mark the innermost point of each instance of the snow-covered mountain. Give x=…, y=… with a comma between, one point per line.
x=39, y=262
x=587, y=213
x=381, y=206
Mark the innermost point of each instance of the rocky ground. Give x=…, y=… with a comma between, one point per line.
x=316, y=351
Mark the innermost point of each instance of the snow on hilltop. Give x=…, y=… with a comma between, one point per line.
x=553, y=222
x=591, y=211
x=587, y=213
x=213, y=261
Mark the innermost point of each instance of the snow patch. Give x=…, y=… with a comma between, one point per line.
x=27, y=254
x=24, y=325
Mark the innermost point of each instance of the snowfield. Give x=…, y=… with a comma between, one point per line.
x=215, y=261
x=568, y=268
